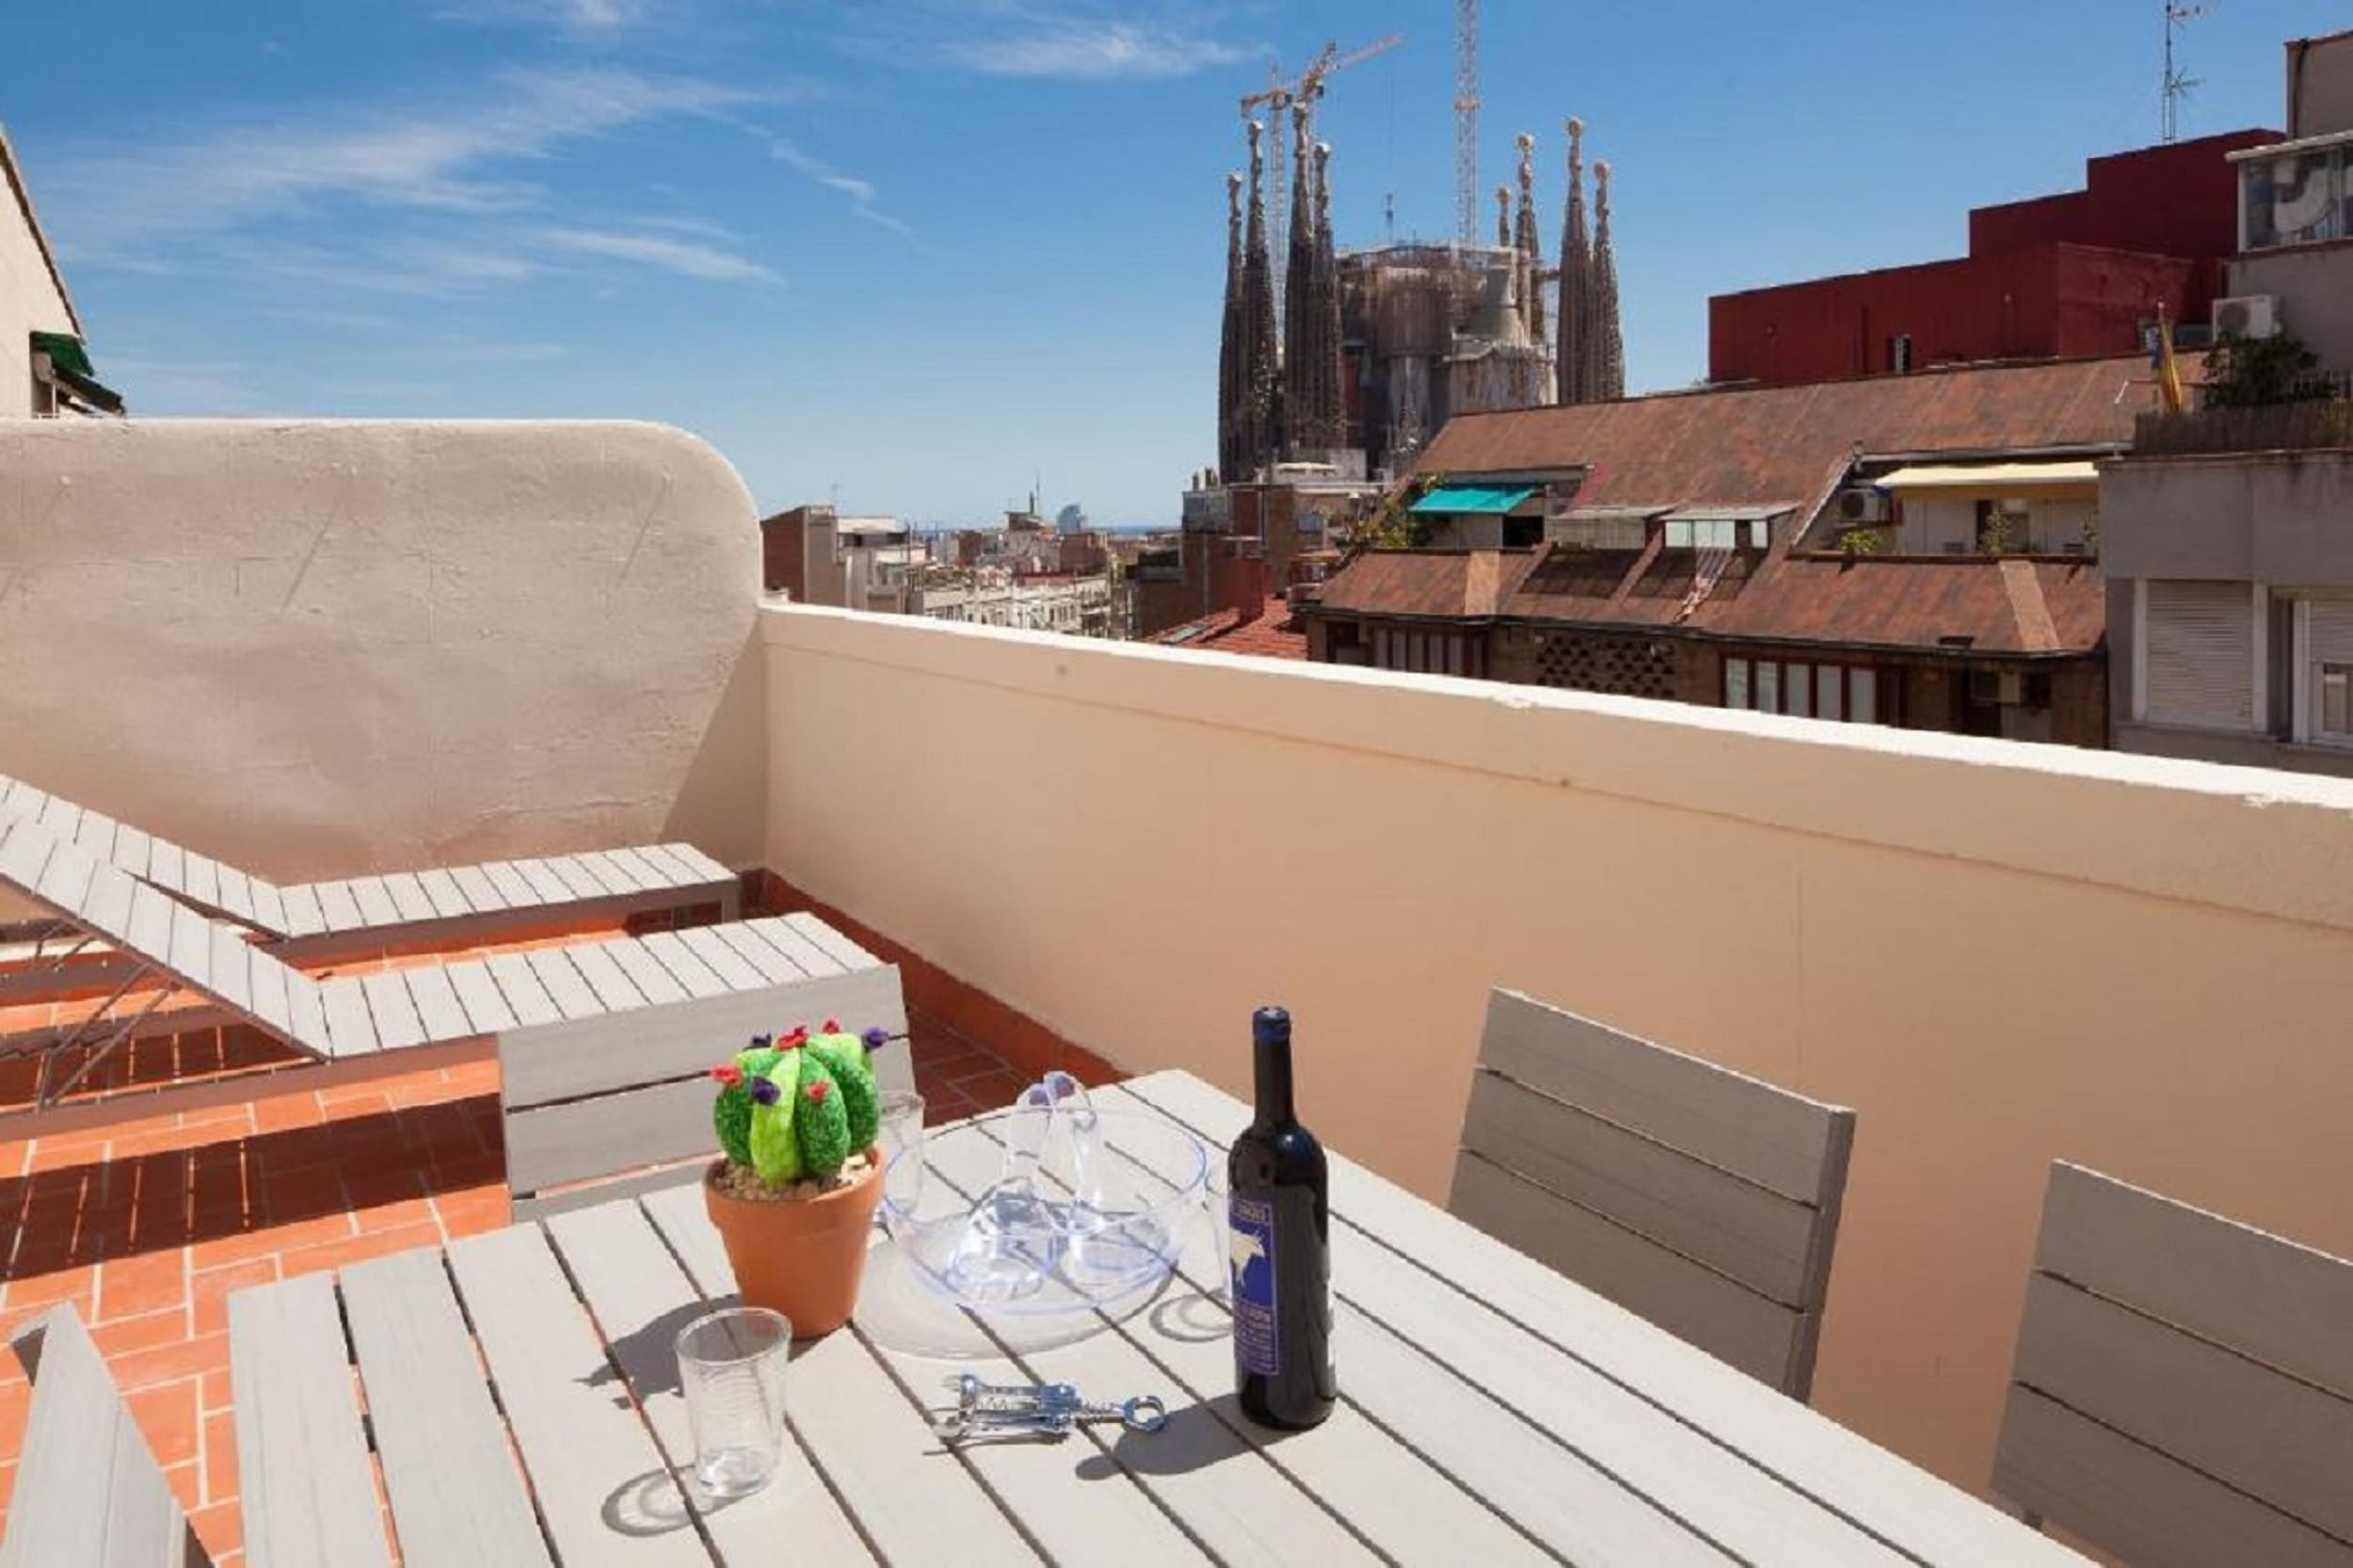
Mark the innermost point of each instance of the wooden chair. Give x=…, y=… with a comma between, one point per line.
x=1705, y=1201
x=2182, y=1393
x=89, y=1491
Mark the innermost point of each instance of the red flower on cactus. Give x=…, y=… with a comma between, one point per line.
x=797, y=1038
x=833, y=1026
x=729, y=1074
x=816, y=1092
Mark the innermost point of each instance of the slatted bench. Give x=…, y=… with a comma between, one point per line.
x=315, y=920
x=624, y=1002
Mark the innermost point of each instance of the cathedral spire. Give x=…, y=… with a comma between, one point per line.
x=1503, y=217
x=1261, y=370
x=1230, y=381
x=1609, y=341
x=1531, y=244
x=1328, y=427
x=1298, y=308
x=1569, y=358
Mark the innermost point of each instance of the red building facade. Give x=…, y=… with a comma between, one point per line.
x=2069, y=276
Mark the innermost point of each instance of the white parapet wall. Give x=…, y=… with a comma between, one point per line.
x=1999, y=955
x=320, y=649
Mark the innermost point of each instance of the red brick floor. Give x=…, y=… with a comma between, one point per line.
x=146, y=1226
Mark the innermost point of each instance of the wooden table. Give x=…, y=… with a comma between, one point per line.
x=1493, y=1413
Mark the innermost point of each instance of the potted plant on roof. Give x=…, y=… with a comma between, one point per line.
x=794, y=1192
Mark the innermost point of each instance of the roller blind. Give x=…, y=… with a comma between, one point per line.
x=2202, y=654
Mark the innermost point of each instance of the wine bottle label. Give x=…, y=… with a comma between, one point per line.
x=1258, y=1344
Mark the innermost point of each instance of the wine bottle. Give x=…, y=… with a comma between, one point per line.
x=1279, y=1216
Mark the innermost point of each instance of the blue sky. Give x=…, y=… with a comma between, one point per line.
x=912, y=252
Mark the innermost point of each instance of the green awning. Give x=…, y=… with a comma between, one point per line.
x=65, y=351
x=1480, y=500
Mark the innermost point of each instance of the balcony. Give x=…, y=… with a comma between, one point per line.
x=322, y=646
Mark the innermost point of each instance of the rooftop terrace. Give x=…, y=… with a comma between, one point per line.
x=319, y=649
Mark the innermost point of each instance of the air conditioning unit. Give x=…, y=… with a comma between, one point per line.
x=2248, y=315
x=1862, y=503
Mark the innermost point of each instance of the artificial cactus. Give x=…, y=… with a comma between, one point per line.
x=796, y=1109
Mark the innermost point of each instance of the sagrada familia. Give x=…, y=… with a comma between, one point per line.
x=1416, y=331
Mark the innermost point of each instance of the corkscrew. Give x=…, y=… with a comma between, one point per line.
x=986, y=1409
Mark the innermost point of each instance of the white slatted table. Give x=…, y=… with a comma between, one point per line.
x=522, y=1401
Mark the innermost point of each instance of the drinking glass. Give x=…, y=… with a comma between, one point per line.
x=731, y=1363
x=903, y=1133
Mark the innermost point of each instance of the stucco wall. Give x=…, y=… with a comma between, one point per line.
x=320, y=649
x=2271, y=517
x=1999, y=955
x=29, y=301
x=2314, y=284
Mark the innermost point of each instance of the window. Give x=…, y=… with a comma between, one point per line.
x=1736, y=682
x=1862, y=692
x=1797, y=691
x=2295, y=199
x=1829, y=684
x=1841, y=692
x=2336, y=701
x=1767, y=686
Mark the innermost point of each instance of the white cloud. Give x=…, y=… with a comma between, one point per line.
x=860, y=192
x=688, y=257
x=583, y=19
x=448, y=157
x=1072, y=40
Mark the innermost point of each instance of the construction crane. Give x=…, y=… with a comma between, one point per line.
x=1466, y=120
x=1279, y=96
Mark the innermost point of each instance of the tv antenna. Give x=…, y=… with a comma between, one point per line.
x=2177, y=81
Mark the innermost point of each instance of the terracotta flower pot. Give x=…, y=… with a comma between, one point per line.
x=804, y=1259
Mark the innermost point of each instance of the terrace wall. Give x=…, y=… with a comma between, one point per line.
x=320, y=649
x=1999, y=955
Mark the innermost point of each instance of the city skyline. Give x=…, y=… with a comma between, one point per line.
x=914, y=261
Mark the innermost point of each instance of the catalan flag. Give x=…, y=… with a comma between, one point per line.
x=2171, y=397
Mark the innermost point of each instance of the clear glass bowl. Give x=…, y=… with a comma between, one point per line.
x=1072, y=1243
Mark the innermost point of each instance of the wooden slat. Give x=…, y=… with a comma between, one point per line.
x=60, y=818
x=679, y=959
x=1757, y=1235
x=151, y=924
x=269, y=908
x=774, y=967
x=618, y=876
x=667, y=869
x=511, y=887
x=1768, y=1135
x=270, y=1004
x=305, y=1480
x=2257, y=1293
x=542, y=880
x=635, y=1287
x=408, y=897
x=439, y=1008
x=341, y=907
x=1719, y=1315
x=1892, y=1498
x=87, y=1490
x=2134, y=1502
x=132, y=849
x=374, y=898
x=2272, y=1436
x=799, y=951
x=654, y=983
x=107, y=905
x=648, y=1046
x=65, y=878
x=456, y=1496
x=306, y=1006
x=478, y=992
x=28, y=801
x=844, y=952
x=349, y=1027
x=231, y=968
x=1478, y=1368
x=201, y=879
x=565, y=988
x=874, y=1447
x=582, y=1447
x=24, y=854
x=701, y=865
x=166, y=865
x=393, y=1013
x=96, y=834
x=724, y=960
x=236, y=893
x=525, y=996
x=1252, y=1495
x=191, y=949
x=476, y=888
x=305, y=915
x=612, y=985
x=577, y=879
x=612, y=1134
x=442, y=889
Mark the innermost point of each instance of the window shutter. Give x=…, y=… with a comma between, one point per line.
x=2332, y=631
x=2202, y=654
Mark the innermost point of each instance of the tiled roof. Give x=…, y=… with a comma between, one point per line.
x=1428, y=582
x=1271, y=634
x=1776, y=444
